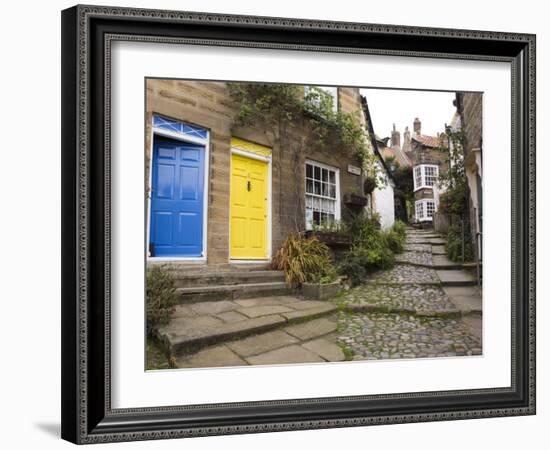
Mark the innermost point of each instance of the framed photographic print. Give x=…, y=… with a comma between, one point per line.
x=280, y=224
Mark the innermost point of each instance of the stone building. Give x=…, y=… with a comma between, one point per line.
x=429, y=159
x=469, y=109
x=216, y=194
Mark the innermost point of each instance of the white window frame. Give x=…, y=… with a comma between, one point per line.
x=423, y=216
x=331, y=90
x=337, y=205
x=421, y=169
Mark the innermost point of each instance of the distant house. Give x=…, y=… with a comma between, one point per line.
x=219, y=195
x=429, y=159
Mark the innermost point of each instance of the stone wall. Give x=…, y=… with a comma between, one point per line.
x=208, y=105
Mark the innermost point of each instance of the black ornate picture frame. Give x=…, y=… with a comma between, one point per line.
x=87, y=35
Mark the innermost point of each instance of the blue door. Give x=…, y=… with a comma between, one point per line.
x=177, y=199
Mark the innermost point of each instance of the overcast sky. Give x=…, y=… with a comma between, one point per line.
x=386, y=106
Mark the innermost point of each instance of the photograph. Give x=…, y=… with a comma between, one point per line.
x=301, y=224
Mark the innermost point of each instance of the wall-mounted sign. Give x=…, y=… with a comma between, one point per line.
x=354, y=169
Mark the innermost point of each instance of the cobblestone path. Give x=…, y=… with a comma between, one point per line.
x=406, y=312
x=392, y=336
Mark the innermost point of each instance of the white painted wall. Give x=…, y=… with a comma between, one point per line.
x=383, y=202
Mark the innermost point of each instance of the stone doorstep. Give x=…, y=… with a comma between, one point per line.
x=212, y=330
x=230, y=292
x=232, y=277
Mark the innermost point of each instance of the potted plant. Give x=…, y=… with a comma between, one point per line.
x=333, y=234
x=369, y=185
x=324, y=286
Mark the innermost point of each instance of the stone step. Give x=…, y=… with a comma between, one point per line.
x=456, y=278
x=190, y=332
x=192, y=294
x=441, y=262
x=232, y=277
x=425, y=240
x=438, y=249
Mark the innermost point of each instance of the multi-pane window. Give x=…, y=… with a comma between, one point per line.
x=430, y=174
x=417, y=176
x=424, y=210
x=425, y=176
x=322, y=194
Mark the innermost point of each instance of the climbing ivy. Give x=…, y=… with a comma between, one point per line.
x=282, y=107
x=455, y=199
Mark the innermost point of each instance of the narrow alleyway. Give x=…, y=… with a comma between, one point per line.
x=426, y=306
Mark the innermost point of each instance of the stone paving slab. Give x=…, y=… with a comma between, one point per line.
x=182, y=334
x=326, y=349
x=258, y=311
x=286, y=355
x=456, y=277
x=311, y=329
x=218, y=356
x=221, y=306
x=474, y=323
x=262, y=343
x=310, y=312
x=465, y=298
x=231, y=316
x=418, y=247
x=183, y=311
x=207, y=323
x=266, y=301
x=442, y=262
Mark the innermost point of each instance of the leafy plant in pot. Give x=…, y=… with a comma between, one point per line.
x=369, y=185
x=323, y=286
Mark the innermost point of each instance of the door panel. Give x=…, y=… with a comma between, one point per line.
x=177, y=199
x=248, y=195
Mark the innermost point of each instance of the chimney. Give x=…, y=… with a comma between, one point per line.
x=417, y=126
x=406, y=136
x=406, y=140
x=395, y=138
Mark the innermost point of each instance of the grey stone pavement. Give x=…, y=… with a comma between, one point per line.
x=413, y=310
x=409, y=311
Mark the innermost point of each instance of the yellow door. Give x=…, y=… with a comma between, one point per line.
x=248, y=208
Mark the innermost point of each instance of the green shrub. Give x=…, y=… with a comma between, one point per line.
x=453, y=246
x=394, y=241
x=362, y=260
x=329, y=275
x=400, y=228
x=302, y=259
x=161, y=298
